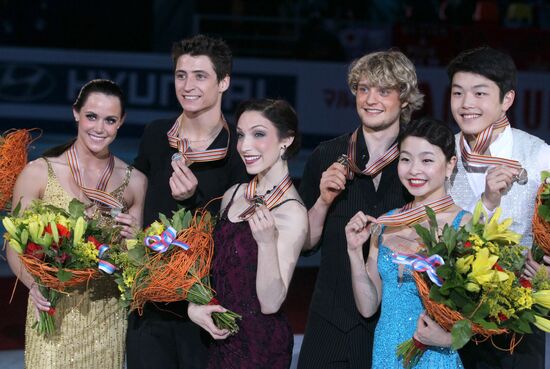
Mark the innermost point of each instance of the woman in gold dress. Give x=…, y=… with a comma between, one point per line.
x=90, y=325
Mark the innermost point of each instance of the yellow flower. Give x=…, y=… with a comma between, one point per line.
x=482, y=271
x=494, y=231
x=463, y=264
x=131, y=243
x=478, y=211
x=155, y=228
x=472, y=287
x=476, y=241
x=542, y=298
x=542, y=323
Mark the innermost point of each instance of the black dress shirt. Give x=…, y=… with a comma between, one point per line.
x=215, y=177
x=333, y=296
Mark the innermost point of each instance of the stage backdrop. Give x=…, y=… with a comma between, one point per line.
x=37, y=87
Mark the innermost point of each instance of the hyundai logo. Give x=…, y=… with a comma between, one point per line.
x=24, y=83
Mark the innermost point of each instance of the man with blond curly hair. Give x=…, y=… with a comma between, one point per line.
x=334, y=188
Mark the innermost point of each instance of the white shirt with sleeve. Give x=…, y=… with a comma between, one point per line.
x=468, y=182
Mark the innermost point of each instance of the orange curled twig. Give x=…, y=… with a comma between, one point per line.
x=168, y=277
x=46, y=274
x=13, y=158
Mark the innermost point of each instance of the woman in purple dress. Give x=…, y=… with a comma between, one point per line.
x=258, y=240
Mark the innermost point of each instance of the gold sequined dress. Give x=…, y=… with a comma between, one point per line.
x=91, y=326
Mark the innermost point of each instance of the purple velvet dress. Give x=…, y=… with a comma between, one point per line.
x=263, y=341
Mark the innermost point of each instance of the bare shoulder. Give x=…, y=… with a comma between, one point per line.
x=229, y=194
x=31, y=182
x=36, y=170
x=138, y=177
x=293, y=212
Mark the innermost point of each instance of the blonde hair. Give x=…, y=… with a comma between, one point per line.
x=389, y=69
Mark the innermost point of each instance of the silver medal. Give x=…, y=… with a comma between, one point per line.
x=115, y=211
x=522, y=177
x=177, y=156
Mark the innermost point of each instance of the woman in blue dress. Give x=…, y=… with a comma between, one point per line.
x=426, y=161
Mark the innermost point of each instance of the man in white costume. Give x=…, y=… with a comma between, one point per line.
x=501, y=166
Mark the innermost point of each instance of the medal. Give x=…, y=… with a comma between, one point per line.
x=522, y=177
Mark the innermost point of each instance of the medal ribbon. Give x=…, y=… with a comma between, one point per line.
x=104, y=265
x=374, y=168
x=409, y=215
x=183, y=146
x=483, y=140
x=97, y=194
x=420, y=263
x=161, y=243
x=270, y=200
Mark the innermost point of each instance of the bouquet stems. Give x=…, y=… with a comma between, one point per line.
x=46, y=322
x=201, y=294
x=410, y=352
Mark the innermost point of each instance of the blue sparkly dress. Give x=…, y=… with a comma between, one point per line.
x=401, y=305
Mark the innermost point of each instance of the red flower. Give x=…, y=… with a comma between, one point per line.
x=524, y=282
x=467, y=244
x=94, y=240
x=51, y=312
x=63, y=231
x=498, y=267
x=35, y=251
x=502, y=317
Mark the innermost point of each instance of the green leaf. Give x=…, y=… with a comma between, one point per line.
x=544, y=212
x=461, y=334
x=64, y=275
x=137, y=255
x=186, y=220
x=424, y=234
x=17, y=209
x=76, y=208
x=537, y=253
x=164, y=220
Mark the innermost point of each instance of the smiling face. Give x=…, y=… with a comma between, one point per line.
x=197, y=87
x=476, y=103
x=258, y=142
x=378, y=107
x=98, y=120
x=422, y=169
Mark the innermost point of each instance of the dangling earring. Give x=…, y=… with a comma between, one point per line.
x=283, y=152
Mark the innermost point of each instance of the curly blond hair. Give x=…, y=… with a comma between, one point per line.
x=389, y=69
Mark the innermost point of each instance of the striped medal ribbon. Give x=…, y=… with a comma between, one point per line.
x=269, y=199
x=374, y=168
x=483, y=140
x=184, y=148
x=409, y=215
x=97, y=194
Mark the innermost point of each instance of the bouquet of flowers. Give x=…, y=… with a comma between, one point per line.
x=13, y=158
x=170, y=261
x=474, y=287
x=541, y=219
x=59, y=249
